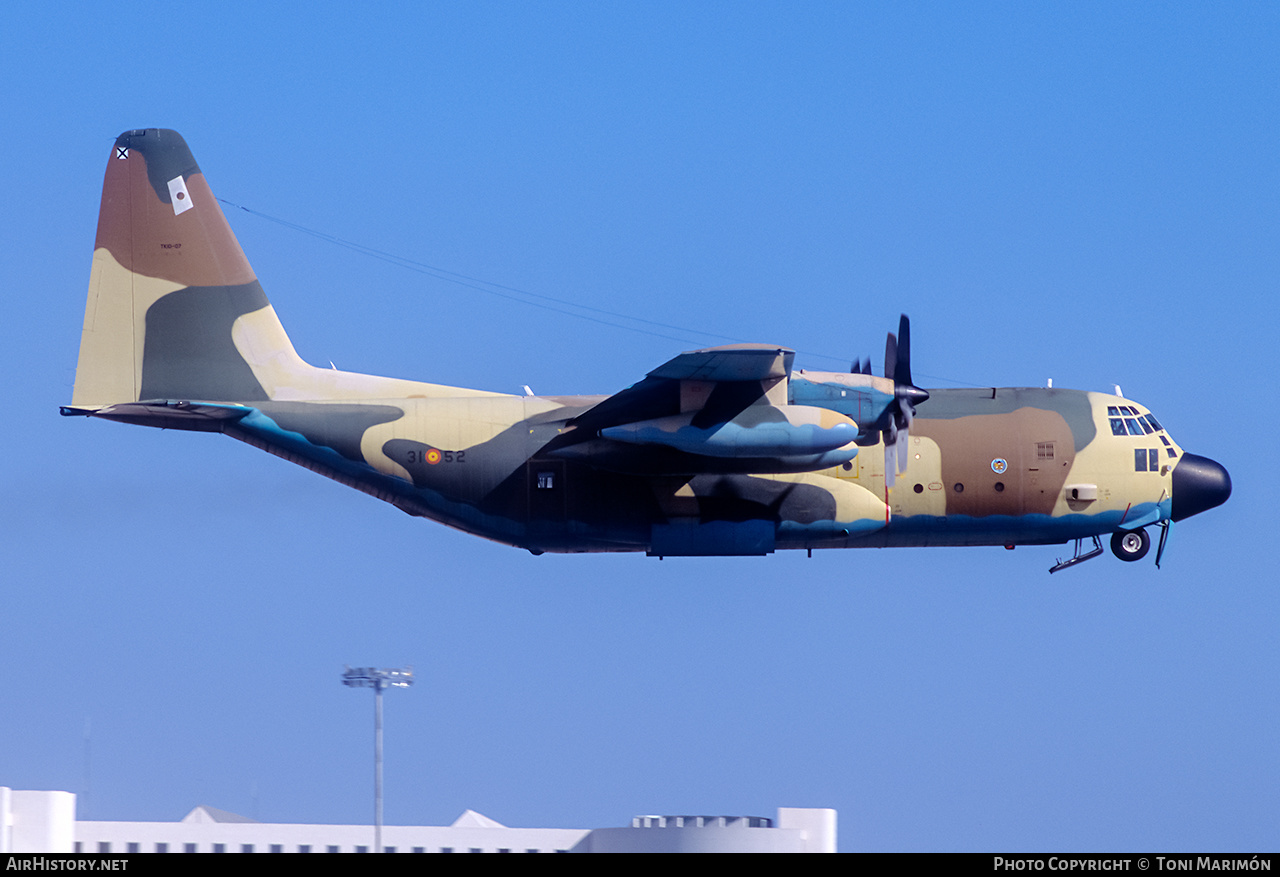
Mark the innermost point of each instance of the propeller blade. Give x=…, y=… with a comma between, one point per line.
x=902, y=370
x=906, y=396
x=904, y=437
x=907, y=393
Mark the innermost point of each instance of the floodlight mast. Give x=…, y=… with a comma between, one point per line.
x=372, y=677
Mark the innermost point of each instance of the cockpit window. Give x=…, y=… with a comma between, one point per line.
x=1125, y=420
x=1146, y=460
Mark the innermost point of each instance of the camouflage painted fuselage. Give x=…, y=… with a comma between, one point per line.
x=722, y=451
x=987, y=467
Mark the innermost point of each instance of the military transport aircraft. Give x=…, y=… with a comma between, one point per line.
x=724, y=451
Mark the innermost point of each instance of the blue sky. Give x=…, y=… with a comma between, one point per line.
x=1084, y=192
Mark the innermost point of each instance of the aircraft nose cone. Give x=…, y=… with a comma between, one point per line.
x=1198, y=484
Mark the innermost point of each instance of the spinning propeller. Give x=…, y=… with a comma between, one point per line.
x=906, y=396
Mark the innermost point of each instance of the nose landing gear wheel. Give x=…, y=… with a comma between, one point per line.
x=1130, y=545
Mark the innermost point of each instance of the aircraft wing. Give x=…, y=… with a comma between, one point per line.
x=735, y=362
x=744, y=368
x=723, y=409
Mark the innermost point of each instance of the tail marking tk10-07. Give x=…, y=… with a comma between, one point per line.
x=724, y=451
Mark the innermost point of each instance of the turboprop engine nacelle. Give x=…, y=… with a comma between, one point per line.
x=784, y=431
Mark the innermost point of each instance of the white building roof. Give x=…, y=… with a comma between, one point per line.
x=44, y=822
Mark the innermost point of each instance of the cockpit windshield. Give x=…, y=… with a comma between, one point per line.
x=1126, y=420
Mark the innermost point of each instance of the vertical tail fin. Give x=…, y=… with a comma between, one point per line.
x=169, y=288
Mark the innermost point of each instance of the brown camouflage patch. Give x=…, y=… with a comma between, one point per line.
x=1028, y=485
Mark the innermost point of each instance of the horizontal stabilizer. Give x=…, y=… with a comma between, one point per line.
x=165, y=414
